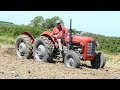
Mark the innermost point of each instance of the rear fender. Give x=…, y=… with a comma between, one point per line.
x=29, y=35
x=48, y=34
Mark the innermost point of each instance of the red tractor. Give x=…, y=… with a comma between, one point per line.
x=45, y=48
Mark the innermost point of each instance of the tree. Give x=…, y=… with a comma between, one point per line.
x=79, y=32
x=75, y=31
x=38, y=22
x=50, y=23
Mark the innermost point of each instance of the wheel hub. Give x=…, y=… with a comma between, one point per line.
x=41, y=50
x=22, y=48
x=71, y=61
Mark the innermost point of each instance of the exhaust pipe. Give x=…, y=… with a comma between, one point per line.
x=70, y=35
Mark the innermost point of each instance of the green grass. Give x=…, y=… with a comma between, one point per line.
x=7, y=40
x=113, y=57
x=112, y=61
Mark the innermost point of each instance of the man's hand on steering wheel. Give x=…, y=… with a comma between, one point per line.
x=55, y=36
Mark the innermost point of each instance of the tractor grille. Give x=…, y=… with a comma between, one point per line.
x=91, y=48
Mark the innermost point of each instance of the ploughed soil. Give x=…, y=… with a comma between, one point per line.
x=12, y=67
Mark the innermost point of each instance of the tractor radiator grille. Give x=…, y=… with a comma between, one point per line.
x=91, y=48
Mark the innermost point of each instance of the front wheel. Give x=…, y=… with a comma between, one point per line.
x=98, y=61
x=72, y=59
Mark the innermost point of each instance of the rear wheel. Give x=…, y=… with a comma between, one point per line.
x=42, y=49
x=72, y=59
x=99, y=61
x=23, y=47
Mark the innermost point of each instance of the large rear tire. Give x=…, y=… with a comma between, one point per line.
x=72, y=59
x=42, y=49
x=23, y=47
x=99, y=60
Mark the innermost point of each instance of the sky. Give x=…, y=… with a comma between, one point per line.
x=99, y=22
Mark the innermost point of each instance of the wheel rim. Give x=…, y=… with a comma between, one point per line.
x=40, y=52
x=21, y=49
x=70, y=62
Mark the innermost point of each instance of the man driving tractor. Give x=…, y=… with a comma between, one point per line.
x=58, y=33
x=49, y=45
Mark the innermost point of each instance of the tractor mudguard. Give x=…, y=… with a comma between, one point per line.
x=48, y=34
x=30, y=35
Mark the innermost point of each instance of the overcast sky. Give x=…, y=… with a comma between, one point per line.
x=99, y=22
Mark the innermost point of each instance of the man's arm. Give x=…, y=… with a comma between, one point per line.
x=52, y=32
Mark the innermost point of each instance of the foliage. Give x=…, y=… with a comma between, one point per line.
x=37, y=22
x=3, y=22
x=15, y=30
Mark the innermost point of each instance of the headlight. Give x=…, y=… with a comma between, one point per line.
x=97, y=44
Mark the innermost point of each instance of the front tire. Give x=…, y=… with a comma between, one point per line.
x=72, y=59
x=99, y=60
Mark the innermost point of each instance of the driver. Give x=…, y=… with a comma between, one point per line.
x=59, y=32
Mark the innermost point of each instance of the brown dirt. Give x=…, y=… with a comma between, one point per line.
x=13, y=68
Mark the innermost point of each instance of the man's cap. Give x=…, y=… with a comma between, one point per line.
x=58, y=21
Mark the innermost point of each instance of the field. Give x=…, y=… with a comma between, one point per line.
x=13, y=68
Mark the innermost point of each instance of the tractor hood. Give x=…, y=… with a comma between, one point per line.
x=79, y=39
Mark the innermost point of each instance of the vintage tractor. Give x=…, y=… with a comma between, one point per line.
x=45, y=48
